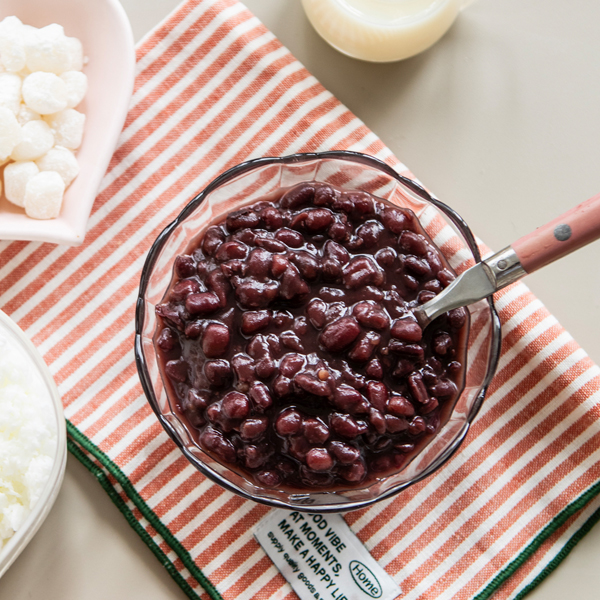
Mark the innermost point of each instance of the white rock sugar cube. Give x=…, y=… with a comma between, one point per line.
x=12, y=44
x=61, y=160
x=10, y=91
x=67, y=126
x=16, y=176
x=11, y=24
x=45, y=93
x=41, y=83
x=43, y=195
x=37, y=140
x=10, y=132
x=51, y=51
x=25, y=115
x=76, y=83
x=75, y=50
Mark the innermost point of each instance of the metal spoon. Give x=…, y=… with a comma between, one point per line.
x=565, y=234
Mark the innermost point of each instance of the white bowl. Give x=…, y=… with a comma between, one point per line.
x=105, y=32
x=40, y=511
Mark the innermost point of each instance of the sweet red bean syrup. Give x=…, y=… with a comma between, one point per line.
x=287, y=342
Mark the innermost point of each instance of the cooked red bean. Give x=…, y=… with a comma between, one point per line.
x=235, y=405
x=290, y=340
x=425, y=296
x=218, y=372
x=219, y=284
x=429, y=406
x=343, y=453
x=355, y=473
x=242, y=218
x=369, y=314
x=340, y=334
x=289, y=237
x=407, y=329
x=443, y=389
x=313, y=385
x=261, y=396
x=286, y=339
x=347, y=399
x=254, y=456
x=269, y=479
x=306, y=264
x=457, y=318
x=315, y=431
x=377, y=419
x=318, y=459
x=214, y=441
x=230, y=250
x=344, y=425
x=324, y=196
x=413, y=243
x=400, y=406
x=253, y=321
x=202, y=304
x=299, y=195
x=442, y=344
x=265, y=367
x=289, y=422
x=415, y=351
x=182, y=289
x=243, y=366
x=417, y=426
x=365, y=347
x=184, y=266
x=272, y=218
x=374, y=369
x=177, y=370
x=446, y=277
x=318, y=219
x=215, y=340
x=396, y=220
x=251, y=293
x=193, y=329
x=377, y=393
x=418, y=266
x=385, y=257
x=259, y=263
x=290, y=364
x=195, y=404
x=395, y=424
x=293, y=287
x=254, y=428
x=166, y=340
x=362, y=271
x=433, y=285
x=299, y=447
x=417, y=387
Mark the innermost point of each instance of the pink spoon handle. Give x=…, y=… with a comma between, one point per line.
x=572, y=230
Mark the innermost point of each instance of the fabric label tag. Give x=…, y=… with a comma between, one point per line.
x=321, y=558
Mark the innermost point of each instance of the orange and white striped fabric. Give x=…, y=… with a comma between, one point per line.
x=214, y=88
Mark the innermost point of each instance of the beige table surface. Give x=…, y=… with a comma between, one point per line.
x=501, y=119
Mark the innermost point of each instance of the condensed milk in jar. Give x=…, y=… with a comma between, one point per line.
x=382, y=30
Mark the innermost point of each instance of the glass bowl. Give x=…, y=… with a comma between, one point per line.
x=244, y=184
x=12, y=337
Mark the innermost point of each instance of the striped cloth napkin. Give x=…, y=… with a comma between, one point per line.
x=214, y=88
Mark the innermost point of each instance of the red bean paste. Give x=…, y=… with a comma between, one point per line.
x=287, y=341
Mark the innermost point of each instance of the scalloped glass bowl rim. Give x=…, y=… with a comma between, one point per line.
x=145, y=379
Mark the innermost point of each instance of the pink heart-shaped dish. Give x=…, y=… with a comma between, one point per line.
x=104, y=30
